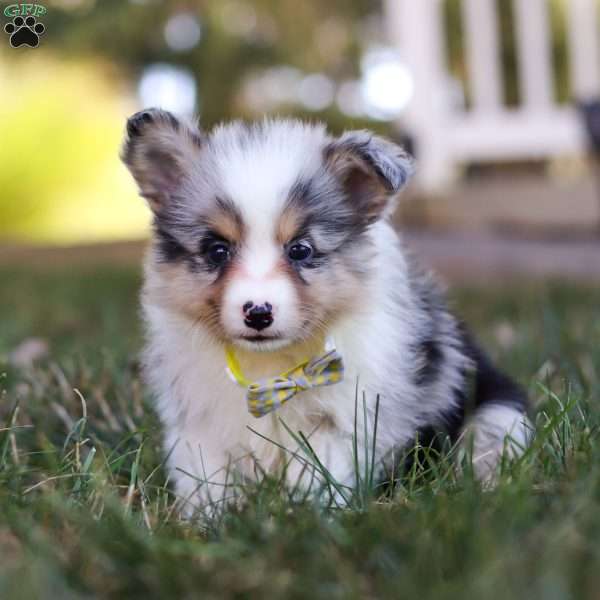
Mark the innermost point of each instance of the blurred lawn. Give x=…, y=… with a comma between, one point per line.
x=85, y=510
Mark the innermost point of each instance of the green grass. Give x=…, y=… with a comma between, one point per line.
x=85, y=510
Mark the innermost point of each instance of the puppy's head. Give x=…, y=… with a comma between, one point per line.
x=261, y=232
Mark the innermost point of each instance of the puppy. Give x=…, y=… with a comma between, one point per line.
x=269, y=240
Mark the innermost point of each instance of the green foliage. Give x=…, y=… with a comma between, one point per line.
x=63, y=108
x=560, y=52
x=61, y=179
x=131, y=35
x=85, y=510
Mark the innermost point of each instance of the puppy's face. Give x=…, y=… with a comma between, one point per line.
x=261, y=233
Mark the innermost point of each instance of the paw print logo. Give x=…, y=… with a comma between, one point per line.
x=24, y=32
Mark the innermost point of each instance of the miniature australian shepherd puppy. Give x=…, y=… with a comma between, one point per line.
x=268, y=240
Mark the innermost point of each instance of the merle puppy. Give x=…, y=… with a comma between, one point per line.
x=271, y=243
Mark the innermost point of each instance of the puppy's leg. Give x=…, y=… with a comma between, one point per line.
x=496, y=432
x=200, y=476
x=332, y=453
x=498, y=428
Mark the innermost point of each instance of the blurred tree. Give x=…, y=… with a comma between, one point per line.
x=63, y=104
x=237, y=37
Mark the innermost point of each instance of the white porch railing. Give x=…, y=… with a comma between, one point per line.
x=447, y=135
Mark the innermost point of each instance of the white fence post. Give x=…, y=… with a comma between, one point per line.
x=416, y=28
x=584, y=48
x=483, y=48
x=535, y=59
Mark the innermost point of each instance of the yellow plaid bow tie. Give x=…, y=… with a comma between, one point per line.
x=266, y=395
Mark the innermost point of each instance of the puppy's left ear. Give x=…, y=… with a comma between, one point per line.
x=160, y=150
x=371, y=169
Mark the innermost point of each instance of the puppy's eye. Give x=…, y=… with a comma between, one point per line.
x=299, y=251
x=218, y=253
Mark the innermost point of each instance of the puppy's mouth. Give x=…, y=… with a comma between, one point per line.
x=261, y=343
x=259, y=338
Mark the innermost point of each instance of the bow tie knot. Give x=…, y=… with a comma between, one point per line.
x=266, y=395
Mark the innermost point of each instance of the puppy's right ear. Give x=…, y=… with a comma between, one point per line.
x=159, y=150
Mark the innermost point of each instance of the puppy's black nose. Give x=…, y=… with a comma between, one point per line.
x=258, y=317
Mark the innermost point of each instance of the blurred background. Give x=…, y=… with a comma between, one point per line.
x=497, y=99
